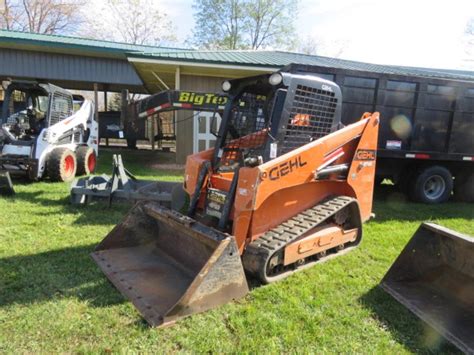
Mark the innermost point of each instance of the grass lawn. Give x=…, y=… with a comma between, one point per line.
x=53, y=298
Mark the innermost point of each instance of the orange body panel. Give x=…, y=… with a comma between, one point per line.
x=322, y=239
x=272, y=192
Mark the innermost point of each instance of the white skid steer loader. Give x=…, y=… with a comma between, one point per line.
x=46, y=131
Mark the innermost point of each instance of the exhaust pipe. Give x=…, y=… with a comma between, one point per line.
x=170, y=266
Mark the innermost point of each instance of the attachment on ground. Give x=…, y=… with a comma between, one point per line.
x=123, y=186
x=169, y=265
x=6, y=185
x=434, y=278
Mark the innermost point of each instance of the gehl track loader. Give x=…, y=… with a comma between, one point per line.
x=285, y=187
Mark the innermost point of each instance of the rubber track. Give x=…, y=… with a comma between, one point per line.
x=262, y=249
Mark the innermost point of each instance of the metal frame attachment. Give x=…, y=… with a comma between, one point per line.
x=122, y=185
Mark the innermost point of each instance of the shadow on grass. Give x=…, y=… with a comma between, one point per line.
x=405, y=327
x=138, y=162
x=97, y=213
x=63, y=273
x=390, y=204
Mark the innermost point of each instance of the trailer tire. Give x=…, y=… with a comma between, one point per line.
x=86, y=160
x=61, y=165
x=464, y=187
x=431, y=185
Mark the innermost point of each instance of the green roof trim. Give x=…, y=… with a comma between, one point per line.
x=249, y=58
x=278, y=59
x=61, y=41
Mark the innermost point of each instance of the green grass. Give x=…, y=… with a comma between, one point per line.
x=53, y=298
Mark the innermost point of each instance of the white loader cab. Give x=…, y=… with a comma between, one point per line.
x=46, y=131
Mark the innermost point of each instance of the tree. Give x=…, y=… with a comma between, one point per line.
x=470, y=27
x=115, y=102
x=269, y=22
x=218, y=24
x=41, y=16
x=243, y=24
x=469, y=42
x=130, y=21
x=315, y=46
x=309, y=45
x=469, y=31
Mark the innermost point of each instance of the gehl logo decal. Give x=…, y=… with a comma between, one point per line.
x=285, y=168
x=365, y=154
x=200, y=99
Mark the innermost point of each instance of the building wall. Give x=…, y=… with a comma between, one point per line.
x=185, y=123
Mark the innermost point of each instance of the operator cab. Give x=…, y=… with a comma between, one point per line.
x=270, y=115
x=30, y=107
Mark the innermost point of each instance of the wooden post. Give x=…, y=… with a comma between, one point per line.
x=96, y=101
x=105, y=110
x=123, y=109
x=105, y=101
x=124, y=114
x=96, y=106
x=153, y=132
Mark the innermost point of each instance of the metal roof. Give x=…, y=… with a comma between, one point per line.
x=70, y=71
x=152, y=61
x=279, y=59
x=59, y=41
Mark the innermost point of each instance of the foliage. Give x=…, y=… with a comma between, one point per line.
x=317, y=46
x=54, y=299
x=115, y=102
x=41, y=16
x=130, y=21
x=218, y=24
x=244, y=24
x=309, y=45
x=470, y=27
x=270, y=22
x=469, y=40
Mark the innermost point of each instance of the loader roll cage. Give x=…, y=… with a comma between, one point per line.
x=293, y=111
x=59, y=104
x=245, y=125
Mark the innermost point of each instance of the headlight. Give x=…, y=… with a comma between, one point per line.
x=226, y=85
x=275, y=79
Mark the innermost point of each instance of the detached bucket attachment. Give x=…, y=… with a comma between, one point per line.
x=434, y=278
x=6, y=185
x=169, y=265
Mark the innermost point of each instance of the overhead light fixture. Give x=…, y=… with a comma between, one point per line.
x=226, y=85
x=275, y=79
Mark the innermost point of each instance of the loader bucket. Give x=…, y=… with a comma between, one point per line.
x=434, y=278
x=169, y=265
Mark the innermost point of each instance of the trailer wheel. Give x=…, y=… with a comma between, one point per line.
x=464, y=187
x=86, y=160
x=61, y=164
x=431, y=185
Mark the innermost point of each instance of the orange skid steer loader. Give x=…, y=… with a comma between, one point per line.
x=286, y=186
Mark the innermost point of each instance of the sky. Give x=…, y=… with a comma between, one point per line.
x=419, y=33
